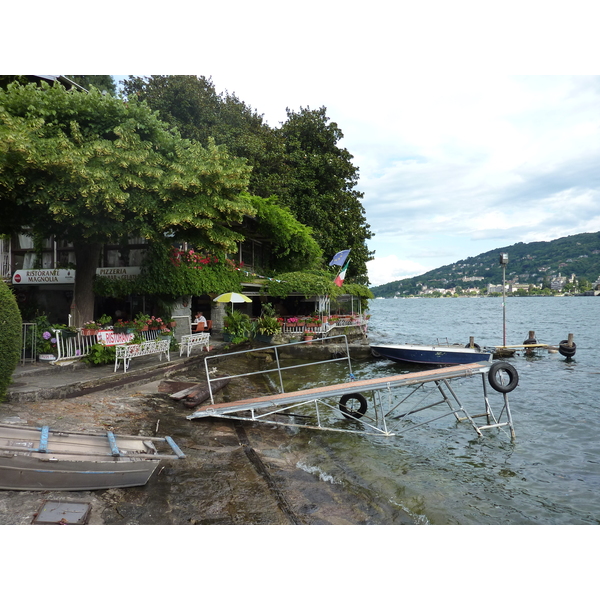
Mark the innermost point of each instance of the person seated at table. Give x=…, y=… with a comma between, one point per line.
x=200, y=323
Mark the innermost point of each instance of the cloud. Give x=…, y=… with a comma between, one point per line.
x=491, y=162
x=390, y=268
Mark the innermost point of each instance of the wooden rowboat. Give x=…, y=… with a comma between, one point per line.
x=38, y=458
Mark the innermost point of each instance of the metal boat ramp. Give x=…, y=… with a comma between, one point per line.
x=370, y=406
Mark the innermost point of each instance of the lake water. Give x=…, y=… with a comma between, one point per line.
x=442, y=473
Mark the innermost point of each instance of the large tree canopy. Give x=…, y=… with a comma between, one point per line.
x=105, y=83
x=321, y=190
x=91, y=168
x=300, y=165
x=193, y=105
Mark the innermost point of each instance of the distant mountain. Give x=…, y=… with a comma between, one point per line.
x=529, y=263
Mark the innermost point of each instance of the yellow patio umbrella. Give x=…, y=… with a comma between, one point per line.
x=232, y=297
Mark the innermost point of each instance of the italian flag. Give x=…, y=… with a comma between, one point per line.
x=339, y=280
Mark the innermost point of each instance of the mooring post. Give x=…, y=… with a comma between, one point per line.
x=531, y=335
x=570, y=340
x=471, y=342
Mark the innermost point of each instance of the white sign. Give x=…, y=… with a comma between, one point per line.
x=43, y=276
x=118, y=272
x=110, y=338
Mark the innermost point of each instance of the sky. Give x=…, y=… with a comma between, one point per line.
x=473, y=125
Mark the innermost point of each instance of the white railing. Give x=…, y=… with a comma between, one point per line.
x=327, y=326
x=72, y=347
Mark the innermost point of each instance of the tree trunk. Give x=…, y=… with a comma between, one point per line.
x=87, y=257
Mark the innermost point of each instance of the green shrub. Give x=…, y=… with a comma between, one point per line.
x=100, y=355
x=10, y=337
x=237, y=325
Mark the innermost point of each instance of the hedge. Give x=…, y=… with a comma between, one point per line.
x=10, y=337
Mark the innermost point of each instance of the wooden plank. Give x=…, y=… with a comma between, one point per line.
x=170, y=387
x=341, y=388
x=186, y=391
x=202, y=395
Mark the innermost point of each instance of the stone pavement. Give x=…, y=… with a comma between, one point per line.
x=35, y=381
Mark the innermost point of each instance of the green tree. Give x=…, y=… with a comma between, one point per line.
x=300, y=165
x=105, y=83
x=10, y=336
x=321, y=187
x=92, y=169
x=193, y=105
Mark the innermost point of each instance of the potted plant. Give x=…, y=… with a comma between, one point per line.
x=90, y=328
x=123, y=326
x=141, y=322
x=292, y=322
x=165, y=332
x=237, y=326
x=46, y=345
x=155, y=323
x=265, y=327
x=68, y=331
x=104, y=321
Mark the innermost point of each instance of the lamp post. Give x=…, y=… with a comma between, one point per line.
x=503, y=263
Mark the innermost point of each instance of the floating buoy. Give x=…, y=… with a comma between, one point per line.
x=496, y=377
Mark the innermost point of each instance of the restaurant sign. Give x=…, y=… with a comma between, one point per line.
x=118, y=272
x=47, y=276
x=110, y=338
x=43, y=276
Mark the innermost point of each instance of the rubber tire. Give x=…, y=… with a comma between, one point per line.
x=356, y=414
x=375, y=353
x=513, y=377
x=476, y=346
x=529, y=341
x=565, y=350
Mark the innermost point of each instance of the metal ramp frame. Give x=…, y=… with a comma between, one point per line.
x=382, y=391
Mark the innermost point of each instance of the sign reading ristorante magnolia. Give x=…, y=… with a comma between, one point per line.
x=43, y=276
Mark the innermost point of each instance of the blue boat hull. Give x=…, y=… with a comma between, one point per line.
x=430, y=355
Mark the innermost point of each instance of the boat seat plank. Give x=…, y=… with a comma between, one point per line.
x=43, y=447
x=114, y=449
x=174, y=447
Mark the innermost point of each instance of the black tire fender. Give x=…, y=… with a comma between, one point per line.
x=375, y=353
x=476, y=346
x=508, y=369
x=566, y=350
x=529, y=341
x=353, y=412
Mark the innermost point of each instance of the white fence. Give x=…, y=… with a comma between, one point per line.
x=70, y=347
x=334, y=324
x=75, y=346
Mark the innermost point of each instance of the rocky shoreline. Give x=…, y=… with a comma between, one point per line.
x=233, y=473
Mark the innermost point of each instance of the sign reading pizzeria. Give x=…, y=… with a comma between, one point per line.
x=118, y=272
